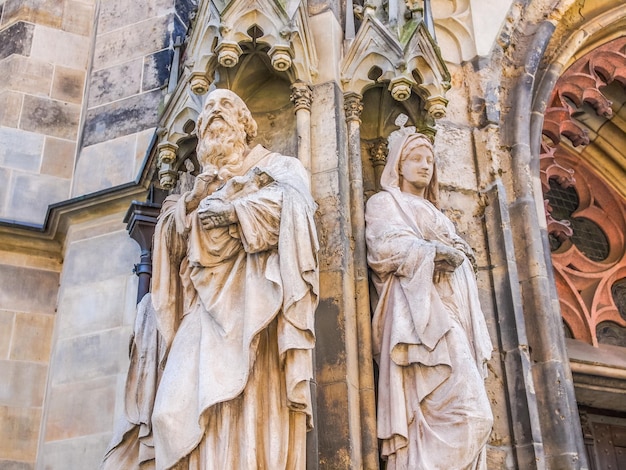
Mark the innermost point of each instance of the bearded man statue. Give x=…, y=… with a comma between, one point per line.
x=234, y=291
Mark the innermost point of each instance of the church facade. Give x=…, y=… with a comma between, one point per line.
x=525, y=101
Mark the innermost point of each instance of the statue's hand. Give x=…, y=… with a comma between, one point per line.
x=447, y=259
x=215, y=213
x=202, y=187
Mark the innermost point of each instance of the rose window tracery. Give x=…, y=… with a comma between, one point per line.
x=585, y=203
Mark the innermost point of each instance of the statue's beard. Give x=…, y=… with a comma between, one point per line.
x=223, y=145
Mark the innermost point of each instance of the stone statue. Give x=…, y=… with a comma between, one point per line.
x=429, y=333
x=234, y=291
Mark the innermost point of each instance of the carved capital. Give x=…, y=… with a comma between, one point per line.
x=280, y=55
x=228, y=53
x=378, y=152
x=353, y=106
x=167, y=153
x=166, y=162
x=301, y=96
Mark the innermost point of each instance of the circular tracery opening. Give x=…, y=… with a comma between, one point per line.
x=587, y=235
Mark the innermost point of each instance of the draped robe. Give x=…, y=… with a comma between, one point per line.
x=234, y=307
x=429, y=338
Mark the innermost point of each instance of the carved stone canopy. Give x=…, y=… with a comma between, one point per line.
x=405, y=61
x=254, y=48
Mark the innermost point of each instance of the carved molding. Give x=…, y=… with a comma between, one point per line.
x=454, y=19
x=407, y=63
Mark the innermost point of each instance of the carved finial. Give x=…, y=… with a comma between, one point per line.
x=400, y=133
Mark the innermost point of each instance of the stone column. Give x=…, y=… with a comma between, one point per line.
x=353, y=107
x=301, y=99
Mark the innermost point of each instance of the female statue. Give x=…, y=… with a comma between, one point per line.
x=430, y=337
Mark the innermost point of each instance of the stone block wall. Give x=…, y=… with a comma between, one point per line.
x=130, y=68
x=27, y=314
x=90, y=352
x=44, y=52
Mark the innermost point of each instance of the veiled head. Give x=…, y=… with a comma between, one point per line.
x=414, y=146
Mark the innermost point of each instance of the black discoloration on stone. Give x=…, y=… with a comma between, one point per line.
x=16, y=39
x=50, y=117
x=156, y=69
x=121, y=118
x=185, y=8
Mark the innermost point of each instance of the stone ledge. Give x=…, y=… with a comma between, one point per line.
x=599, y=374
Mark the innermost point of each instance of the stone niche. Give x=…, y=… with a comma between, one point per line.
x=378, y=120
x=267, y=93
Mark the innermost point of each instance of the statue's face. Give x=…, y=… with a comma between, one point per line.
x=417, y=164
x=222, y=108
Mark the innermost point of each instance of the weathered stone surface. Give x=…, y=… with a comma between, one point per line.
x=455, y=157
x=10, y=108
x=15, y=465
x=23, y=383
x=144, y=139
x=68, y=84
x=333, y=431
x=136, y=40
x=330, y=351
x=115, y=14
x=25, y=74
x=156, y=69
x=50, y=117
x=5, y=174
x=78, y=17
x=114, y=83
x=185, y=9
x=20, y=150
x=6, y=330
x=105, y=165
x=104, y=300
x=60, y=47
x=80, y=409
x=46, y=12
x=32, y=194
x=28, y=290
x=88, y=357
x=58, y=157
x=83, y=452
x=122, y=117
x=32, y=337
x=16, y=39
x=19, y=433
x=85, y=254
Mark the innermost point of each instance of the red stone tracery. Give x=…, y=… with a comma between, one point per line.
x=584, y=285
